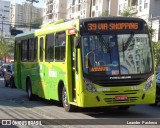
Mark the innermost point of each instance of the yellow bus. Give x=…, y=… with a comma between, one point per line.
x=92, y=62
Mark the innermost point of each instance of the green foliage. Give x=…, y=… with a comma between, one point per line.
x=6, y=47
x=36, y=23
x=106, y=13
x=156, y=52
x=127, y=12
x=151, y=31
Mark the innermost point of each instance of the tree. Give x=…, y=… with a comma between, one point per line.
x=105, y=13
x=127, y=12
x=6, y=47
x=151, y=31
x=37, y=22
x=156, y=52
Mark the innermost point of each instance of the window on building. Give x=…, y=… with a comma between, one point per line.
x=49, y=54
x=60, y=46
x=145, y=4
x=93, y=14
x=6, y=6
x=140, y=8
x=84, y=12
x=78, y=7
x=72, y=9
x=6, y=10
x=96, y=7
x=73, y=2
x=134, y=2
x=94, y=2
x=140, y=1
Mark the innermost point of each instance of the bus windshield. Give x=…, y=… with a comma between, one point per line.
x=117, y=54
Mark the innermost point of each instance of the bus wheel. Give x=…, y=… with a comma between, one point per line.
x=29, y=90
x=68, y=107
x=123, y=107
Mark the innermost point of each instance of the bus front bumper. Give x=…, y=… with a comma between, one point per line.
x=89, y=99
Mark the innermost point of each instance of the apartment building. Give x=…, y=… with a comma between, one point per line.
x=16, y=16
x=72, y=9
x=145, y=9
x=4, y=18
x=87, y=8
x=22, y=14
x=54, y=10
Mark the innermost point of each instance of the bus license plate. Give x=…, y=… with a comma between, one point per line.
x=121, y=98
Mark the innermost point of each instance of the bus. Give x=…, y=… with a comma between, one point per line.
x=92, y=62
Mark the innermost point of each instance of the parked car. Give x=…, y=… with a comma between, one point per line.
x=9, y=76
x=157, y=88
x=3, y=69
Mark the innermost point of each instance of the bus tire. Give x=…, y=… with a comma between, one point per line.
x=68, y=107
x=29, y=90
x=123, y=107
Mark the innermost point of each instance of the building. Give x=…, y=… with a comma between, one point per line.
x=78, y=9
x=72, y=9
x=90, y=8
x=24, y=14
x=145, y=9
x=54, y=10
x=4, y=18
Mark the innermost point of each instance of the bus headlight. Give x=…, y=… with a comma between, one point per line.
x=89, y=85
x=149, y=83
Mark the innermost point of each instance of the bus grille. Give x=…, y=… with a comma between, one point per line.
x=113, y=101
x=124, y=82
x=125, y=92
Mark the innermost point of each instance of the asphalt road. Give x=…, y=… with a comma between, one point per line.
x=15, y=105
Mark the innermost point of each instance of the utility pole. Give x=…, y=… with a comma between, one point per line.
x=32, y=1
x=3, y=17
x=90, y=11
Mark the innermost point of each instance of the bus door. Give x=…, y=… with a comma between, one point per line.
x=41, y=58
x=17, y=65
x=73, y=65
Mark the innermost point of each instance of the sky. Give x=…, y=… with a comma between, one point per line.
x=39, y=4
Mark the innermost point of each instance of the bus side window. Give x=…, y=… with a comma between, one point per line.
x=41, y=49
x=60, y=46
x=35, y=48
x=49, y=53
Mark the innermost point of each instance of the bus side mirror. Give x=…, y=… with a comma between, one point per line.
x=77, y=42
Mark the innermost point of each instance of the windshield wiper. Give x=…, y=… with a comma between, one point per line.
x=105, y=44
x=127, y=43
x=102, y=40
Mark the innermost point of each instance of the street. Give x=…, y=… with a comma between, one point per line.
x=15, y=105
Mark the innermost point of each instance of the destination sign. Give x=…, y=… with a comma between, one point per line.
x=102, y=26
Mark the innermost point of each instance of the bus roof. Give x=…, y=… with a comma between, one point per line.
x=24, y=34
x=111, y=18
x=61, y=24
